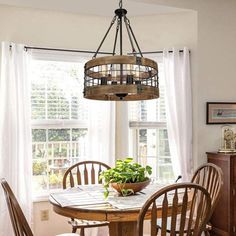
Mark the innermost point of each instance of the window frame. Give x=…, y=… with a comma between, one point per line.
x=136, y=126
x=57, y=56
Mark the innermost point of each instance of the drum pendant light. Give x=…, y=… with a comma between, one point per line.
x=121, y=77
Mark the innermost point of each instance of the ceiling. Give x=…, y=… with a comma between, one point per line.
x=93, y=7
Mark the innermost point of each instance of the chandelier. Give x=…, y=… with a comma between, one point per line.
x=121, y=77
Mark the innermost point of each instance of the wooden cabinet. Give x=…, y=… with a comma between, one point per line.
x=223, y=219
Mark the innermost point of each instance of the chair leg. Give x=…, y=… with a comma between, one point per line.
x=74, y=229
x=82, y=232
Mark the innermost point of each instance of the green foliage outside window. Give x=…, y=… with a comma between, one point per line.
x=39, y=168
x=55, y=180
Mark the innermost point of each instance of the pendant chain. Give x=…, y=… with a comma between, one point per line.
x=120, y=4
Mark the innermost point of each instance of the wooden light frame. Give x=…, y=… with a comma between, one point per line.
x=121, y=77
x=116, y=78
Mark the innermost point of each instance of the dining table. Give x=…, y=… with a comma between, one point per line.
x=88, y=203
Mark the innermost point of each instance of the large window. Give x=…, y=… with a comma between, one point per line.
x=59, y=121
x=60, y=124
x=149, y=138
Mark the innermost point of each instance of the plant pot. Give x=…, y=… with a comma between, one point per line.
x=136, y=187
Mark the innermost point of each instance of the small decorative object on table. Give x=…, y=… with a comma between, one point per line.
x=126, y=177
x=228, y=139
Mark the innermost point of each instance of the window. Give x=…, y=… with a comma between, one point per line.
x=149, y=138
x=59, y=120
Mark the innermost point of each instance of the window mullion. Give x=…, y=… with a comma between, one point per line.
x=46, y=99
x=47, y=160
x=71, y=145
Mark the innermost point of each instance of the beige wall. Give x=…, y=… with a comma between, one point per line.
x=50, y=29
x=56, y=225
x=217, y=60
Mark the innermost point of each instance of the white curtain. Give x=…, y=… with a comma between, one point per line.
x=101, y=131
x=179, y=110
x=101, y=141
x=15, y=131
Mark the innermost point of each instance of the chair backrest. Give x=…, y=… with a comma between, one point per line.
x=18, y=220
x=185, y=205
x=85, y=172
x=210, y=177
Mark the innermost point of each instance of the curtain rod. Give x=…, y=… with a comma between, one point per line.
x=155, y=52
x=92, y=52
x=64, y=50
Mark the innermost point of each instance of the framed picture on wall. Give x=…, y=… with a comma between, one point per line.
x=221, y=113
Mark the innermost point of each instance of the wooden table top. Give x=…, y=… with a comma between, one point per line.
x=122, y=221
x=107, y=211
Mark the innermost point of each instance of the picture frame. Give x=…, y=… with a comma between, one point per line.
x=221, y=113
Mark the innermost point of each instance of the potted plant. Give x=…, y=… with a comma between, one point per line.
x=127, y=177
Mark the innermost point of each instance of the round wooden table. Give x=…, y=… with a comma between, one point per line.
x=121, y=222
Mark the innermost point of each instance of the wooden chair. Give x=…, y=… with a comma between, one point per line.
x=188, y=204
x=210, y=177
x=18, y=220
x=84, y=173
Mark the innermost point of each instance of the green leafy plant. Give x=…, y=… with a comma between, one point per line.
x=125, y=171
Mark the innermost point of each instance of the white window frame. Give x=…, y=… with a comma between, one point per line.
x=135, y=126
x=57, y=124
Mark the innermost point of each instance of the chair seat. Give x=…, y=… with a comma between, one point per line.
x=207, y=228
x=87, y=223
x=168, y=228
x=69, y=234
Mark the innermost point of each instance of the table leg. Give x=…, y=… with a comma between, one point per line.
x=128, y=228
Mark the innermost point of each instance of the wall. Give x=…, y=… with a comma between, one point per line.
x=56, y=225
x=217, y=58
x=50, y=29
x=55, y=29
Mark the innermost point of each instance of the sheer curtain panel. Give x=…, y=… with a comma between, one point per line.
x=179, y=110
x=101, y=131
x=15, y=130
x=101, y=141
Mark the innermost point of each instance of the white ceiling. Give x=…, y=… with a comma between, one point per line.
x=93, y=7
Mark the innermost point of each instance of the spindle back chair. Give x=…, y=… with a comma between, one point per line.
x=18, y=220
x=210, y=177
x=84, y=173
x=185, y=206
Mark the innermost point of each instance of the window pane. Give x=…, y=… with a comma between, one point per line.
x=59, y=135
x=78, y=134
x=150, y=110
x=153, y=150
x=39, y=149
x=60, y=149
x=57, y=91
x=39, y=135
